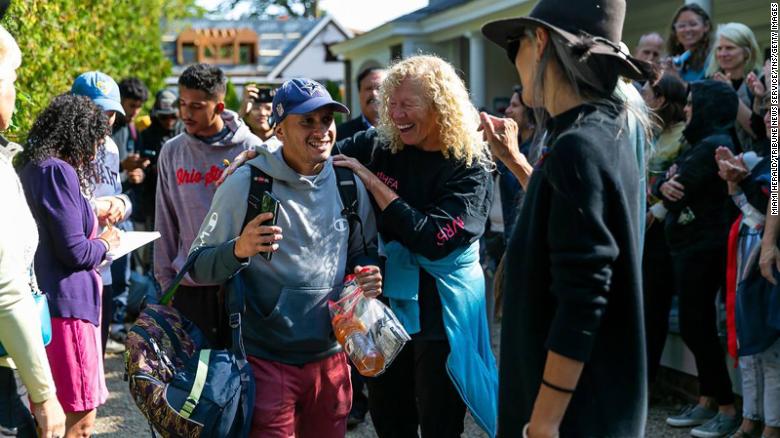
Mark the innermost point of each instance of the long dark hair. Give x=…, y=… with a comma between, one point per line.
x=702, y=49
x=71, y=128
x=675, y=93
x=593, y=78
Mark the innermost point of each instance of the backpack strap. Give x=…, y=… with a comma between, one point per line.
x=171, y=291
x=345, y=180
x=259, y=184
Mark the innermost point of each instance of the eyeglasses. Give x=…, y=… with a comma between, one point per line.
x=682, y=25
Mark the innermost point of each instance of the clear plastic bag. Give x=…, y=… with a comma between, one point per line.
x=367, y=329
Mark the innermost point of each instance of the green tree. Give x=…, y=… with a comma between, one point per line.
x=61, y=39
x=271, y=8
x=335, y=92
x=232, y=101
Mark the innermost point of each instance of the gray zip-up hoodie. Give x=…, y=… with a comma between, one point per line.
x=186, y=172
x=287, y=318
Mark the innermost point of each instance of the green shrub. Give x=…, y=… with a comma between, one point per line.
x=61, y=39
x=232, y=101
x=335, y=92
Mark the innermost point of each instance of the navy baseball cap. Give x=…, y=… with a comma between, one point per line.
x=101, y=89
x=301, y=96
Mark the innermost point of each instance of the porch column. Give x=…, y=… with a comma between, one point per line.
x=477, y=69
x=705, y=4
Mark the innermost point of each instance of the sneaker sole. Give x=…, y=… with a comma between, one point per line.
x=700, y=434
x=685, y=423
x=705, y=434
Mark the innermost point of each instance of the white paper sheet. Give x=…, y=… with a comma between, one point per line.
x=132, y=240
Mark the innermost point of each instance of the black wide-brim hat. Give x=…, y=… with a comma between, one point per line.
x=594, y=26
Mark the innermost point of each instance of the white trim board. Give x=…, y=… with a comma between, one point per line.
x=305, y=41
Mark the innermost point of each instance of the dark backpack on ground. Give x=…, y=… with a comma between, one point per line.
x=184, y=388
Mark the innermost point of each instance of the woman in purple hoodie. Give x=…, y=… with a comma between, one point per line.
x=61, y=157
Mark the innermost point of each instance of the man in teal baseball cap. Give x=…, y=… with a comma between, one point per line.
x=101, y=88
x=111, y=206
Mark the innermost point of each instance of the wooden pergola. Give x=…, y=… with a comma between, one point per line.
x=217, y=46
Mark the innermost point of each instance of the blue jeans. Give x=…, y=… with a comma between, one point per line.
x=761, y=386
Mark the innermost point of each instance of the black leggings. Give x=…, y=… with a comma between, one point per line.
x=106, y=314
x=15, y=417
x=698, y=276
x=658, y=286
x=416, y=391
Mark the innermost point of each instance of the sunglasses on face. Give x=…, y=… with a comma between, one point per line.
x=513, y=46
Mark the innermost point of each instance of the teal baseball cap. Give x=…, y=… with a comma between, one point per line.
x=101, y=88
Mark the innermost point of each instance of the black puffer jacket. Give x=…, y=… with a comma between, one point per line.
x=700, y=220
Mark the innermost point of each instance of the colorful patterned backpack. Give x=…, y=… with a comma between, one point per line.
x=183, y=388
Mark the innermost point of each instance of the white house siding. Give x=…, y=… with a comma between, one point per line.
x=310, y=63
x=368, y=56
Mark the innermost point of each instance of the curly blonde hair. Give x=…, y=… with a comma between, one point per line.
x=444, y=91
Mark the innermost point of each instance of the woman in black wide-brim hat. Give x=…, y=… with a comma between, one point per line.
x=572, y=347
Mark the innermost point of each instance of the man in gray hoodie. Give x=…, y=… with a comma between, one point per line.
x=302, y=376
x=188, y=166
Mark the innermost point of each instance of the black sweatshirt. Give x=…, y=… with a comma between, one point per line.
x=573, y=280
x=443, y=205
x=700, y=220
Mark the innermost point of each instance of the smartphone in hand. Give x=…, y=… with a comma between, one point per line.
x=269, y=204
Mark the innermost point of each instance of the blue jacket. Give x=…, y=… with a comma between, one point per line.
x=461, y=286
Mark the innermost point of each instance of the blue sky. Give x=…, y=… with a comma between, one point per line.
x=355, y=14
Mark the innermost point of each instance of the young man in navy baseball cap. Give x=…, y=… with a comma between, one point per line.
x=302, y=377
x=310, y=133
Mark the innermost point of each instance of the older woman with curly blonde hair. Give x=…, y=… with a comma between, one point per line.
x=428, y=170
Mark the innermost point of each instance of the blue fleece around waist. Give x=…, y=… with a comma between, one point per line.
x=461, y=286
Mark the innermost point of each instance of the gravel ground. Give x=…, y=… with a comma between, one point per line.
x=120, y=418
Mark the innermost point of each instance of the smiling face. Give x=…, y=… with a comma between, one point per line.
x=259, y=119
x=307, y=139
x=413, y=116
x=731, y=57
x=690, y=29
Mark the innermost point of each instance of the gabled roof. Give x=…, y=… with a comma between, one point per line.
x=321, y=25
x=429, y=10
x=281, y=40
